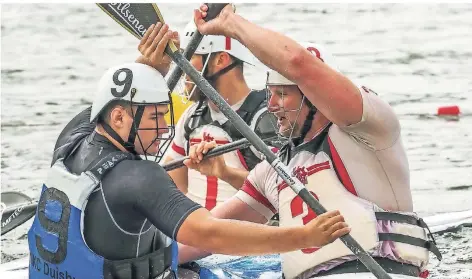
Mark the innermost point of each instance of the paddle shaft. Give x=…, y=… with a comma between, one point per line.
x=220, y=150
x=213, y=11
x=272, y=158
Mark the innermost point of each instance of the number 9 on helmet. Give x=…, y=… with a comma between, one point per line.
x=138, y=86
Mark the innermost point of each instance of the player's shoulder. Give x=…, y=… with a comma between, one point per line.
x=262, y=169
x=141, y=170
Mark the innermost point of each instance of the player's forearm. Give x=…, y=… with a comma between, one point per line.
x=234, y=176
x=227, y=236
x=189, y=253
x=234, y=209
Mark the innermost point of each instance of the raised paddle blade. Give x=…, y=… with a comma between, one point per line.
x=135, y=17
x=18, y=209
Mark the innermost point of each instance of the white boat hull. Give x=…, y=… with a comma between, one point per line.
x=18, y=269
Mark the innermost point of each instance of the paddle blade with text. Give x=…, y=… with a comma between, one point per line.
x=134, y=17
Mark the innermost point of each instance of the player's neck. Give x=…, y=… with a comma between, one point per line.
x=232, y=88
x=318, y=124
x=101, y=131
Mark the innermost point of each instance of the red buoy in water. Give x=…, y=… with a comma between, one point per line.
x=449, y=110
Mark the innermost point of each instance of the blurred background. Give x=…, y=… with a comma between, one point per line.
x=417, y=57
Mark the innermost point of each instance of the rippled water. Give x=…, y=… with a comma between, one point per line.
x=417, y=57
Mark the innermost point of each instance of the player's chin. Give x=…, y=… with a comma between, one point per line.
x=153, y=148
x=147, y=149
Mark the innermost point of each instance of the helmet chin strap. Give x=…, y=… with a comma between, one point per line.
x=129, y=144
x=212, y=79
x=200, y=97
x=307, y=123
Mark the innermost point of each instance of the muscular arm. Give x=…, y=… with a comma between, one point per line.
x=224, y=236
x=332, y=93
x=234, y=176
x=233, y=208
x=188, y=223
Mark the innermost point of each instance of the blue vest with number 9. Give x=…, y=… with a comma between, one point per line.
x=56, y=243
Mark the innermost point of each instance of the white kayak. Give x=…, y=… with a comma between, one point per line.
x=221, y=266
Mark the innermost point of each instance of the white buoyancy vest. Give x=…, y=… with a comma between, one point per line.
x=210, y=191
x=369, y=224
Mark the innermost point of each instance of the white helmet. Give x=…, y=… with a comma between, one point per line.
x=140, y=85
x=274, y=78
x=213, y=44
x=133, y=82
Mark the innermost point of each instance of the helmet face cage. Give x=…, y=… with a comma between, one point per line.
x=165, y=139
x=291, y=129
x=185, y=94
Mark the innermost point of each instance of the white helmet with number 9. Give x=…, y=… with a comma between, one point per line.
x=139, y=86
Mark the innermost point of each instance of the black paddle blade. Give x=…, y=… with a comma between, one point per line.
x=18, y=209
x=136, y=18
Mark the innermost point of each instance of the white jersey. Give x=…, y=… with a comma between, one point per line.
x=208, y=190
x=364, y=165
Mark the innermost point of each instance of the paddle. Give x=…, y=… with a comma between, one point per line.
x=239, y=144
x=275, y=162
x=18, y=209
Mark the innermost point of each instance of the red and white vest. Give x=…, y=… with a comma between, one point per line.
x=312, y=163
